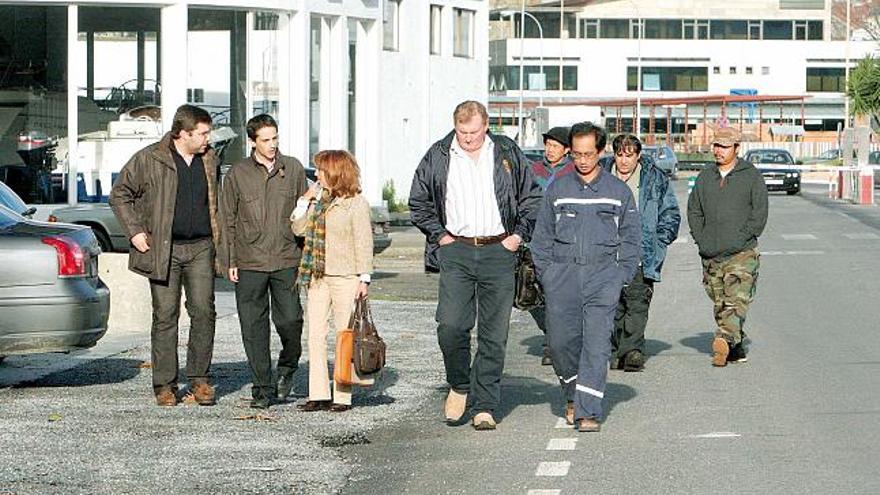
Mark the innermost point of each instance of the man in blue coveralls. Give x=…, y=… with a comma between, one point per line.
x=586, y=248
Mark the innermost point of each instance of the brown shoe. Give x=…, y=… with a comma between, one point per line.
x=456, y=403
x=569, y=413
x=339, y=407
x=720, y=350
x=314, y=405
x=588, y=425
x=484, y=421
x=203, y=393
x=166, y=397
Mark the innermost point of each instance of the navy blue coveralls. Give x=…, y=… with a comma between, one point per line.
x=586, y=247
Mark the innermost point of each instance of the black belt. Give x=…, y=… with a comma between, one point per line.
x=480, y=241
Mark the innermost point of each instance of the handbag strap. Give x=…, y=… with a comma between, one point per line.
x=355, y=312
x=368, y=317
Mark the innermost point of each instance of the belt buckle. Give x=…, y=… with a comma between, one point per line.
x=477, y=242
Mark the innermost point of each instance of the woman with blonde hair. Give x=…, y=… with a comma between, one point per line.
x=336, y=264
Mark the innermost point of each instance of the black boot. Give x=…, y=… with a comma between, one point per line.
x=284, y=382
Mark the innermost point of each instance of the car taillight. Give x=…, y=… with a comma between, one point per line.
x=71, y=257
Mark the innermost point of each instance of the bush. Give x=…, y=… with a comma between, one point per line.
x=390, y=196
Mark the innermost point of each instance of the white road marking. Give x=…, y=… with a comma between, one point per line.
x=681, y=240
x=864, y=236
x=560, y=423
x=799, y=237
x=562, y=444
x=790, y=253
x=543, y=492
x=718, y=434
x=553, y=468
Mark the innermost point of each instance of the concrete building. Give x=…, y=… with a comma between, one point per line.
x=377, y=77
x=681, y=49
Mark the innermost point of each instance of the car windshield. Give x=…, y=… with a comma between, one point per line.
x=8, y=217
x=9, y=199
x=780, y=157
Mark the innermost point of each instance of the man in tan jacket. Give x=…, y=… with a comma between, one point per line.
x=166, y=201
x=259, y=194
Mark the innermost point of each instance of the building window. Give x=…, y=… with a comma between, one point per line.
x=777, y=30
x=463, y=33
x=800, y=30
x=590, y=28
x=669, y=78
x=815, y=30
x=662, y=29
x=551, y=77
x=730, y=30
x=732, y=70
x=614, y=28
x=765, y=71
x=748, y=70
x=695, y=29
x=391, y=25
x=635, y=28
x=436, y=29
x=825, y=80
x=755, y=30
x=716, y=70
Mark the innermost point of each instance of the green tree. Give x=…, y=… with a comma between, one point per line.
x=864, y=88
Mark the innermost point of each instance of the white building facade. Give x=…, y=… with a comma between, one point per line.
x=685, y=49
x=325, y=69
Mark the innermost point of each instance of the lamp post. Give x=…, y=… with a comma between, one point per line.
x=638, y=117
x=522, y=36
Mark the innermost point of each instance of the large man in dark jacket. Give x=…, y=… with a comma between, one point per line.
x=660, y=217
x=259, y=194
x=474, y=197
x=727, y=211
x=166, y=201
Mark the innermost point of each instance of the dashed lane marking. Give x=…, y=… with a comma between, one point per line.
x=799, y=237
x=553, y=468
x=543, y=492
x=791, y=253
x=718, y=434
x=864, y=236
x=562, y=444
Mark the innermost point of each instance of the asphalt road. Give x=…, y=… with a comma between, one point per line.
x=800, y=417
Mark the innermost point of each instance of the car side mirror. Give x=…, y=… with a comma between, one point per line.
x=29, y=213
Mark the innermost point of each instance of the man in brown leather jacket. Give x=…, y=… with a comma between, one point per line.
x=259, y=194
x=166, y=201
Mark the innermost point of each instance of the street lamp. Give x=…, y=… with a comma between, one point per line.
x=638, y=117
x=522, y=36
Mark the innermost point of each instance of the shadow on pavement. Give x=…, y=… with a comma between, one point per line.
x=655, y=347
x=525, y=390
x=229, y=377
x=701, y=342
x=534, y=345
x=99, y=372
x=616, y=393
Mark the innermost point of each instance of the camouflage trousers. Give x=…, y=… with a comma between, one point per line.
x=730, y=284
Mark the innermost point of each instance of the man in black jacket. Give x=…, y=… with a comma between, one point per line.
x=727, y=211
x=475, y=199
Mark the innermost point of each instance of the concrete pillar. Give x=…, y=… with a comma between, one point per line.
x=294, y=96
x=174, y=20
x=368, y=113
x=73, y=76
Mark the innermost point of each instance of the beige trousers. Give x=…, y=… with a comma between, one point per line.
x=329, y=294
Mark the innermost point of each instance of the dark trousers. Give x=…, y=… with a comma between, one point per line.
x=476, y=284
x=632, y=316
x=581, y=300
x=192, y=268
x=252, y=299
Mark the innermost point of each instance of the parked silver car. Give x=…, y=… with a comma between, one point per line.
x=664, y=158
x=51, y=299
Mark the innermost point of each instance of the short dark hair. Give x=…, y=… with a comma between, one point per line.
x=187, y=117
x=257, y=122
x=587, y=128
x=623, y=142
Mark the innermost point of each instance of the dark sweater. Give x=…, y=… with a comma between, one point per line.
x=727, y=216
x=192, y=220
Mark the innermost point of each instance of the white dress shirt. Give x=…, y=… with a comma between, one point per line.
x=471, y=205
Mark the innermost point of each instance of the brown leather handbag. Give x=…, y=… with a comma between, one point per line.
x=369, y=349
x=528, y=294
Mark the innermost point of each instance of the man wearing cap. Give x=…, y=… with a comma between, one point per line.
x=727, y=211
x=552, y=166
